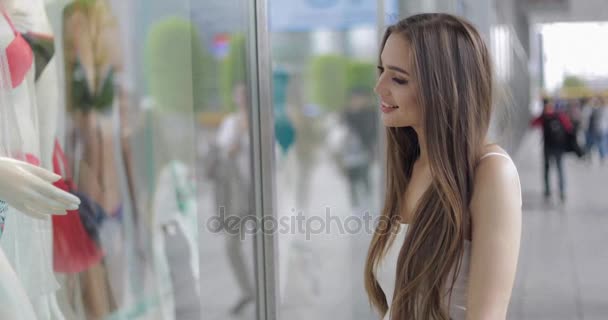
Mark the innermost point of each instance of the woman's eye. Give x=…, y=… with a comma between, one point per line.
x=399, y=81
x=380, y=70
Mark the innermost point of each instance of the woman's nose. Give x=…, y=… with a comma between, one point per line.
x=379, y=88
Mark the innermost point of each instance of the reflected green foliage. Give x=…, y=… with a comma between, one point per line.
x=233, y=70
x=327, y=81
x=177, y=66
x=85, y=2
x=331, y=77
x=361, y=75
x=573, y=81
x=575, y=87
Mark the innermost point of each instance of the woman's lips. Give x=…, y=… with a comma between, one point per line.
x=386, y=108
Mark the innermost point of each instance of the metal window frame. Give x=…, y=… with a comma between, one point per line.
x=263, y=138
x=263, y=149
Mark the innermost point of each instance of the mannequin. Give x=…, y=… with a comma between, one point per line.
x=30, y=17
x=15, y=305
x=98, y=143
x=25, y=188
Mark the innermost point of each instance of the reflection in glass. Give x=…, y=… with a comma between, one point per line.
x=92, y=60
x=224, y=160
x=233, y=191
x=330, y=175
x=130, y=147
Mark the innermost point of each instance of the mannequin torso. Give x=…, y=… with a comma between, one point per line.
x=27, y=232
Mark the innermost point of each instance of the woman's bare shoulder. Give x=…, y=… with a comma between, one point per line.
x=496, y=178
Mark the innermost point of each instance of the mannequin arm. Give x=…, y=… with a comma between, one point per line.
x=29, y=189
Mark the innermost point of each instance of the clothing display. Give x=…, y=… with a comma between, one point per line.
x=175, y=208
x=97, y=150
x=74, y=249
x=175, y=201
x=35, y=97
x=65, y=106
x=25, y=240
x=14, y=299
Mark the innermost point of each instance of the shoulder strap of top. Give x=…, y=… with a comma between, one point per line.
x=489, y=154
x=8, y=19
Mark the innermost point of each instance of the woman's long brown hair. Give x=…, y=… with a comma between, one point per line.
x=453, y=69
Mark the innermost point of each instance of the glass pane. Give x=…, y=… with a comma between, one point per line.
x=324, y=56
x=128, y=96
x=228, y=289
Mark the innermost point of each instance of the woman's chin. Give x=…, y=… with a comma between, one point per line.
x=394, y=122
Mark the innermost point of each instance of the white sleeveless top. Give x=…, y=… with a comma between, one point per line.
x=386, y=274
x=386, y=271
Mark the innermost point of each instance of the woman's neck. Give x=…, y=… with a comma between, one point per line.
x=423, y=159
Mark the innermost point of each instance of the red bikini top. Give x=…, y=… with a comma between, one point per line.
x=19, y=55
x=20, y=61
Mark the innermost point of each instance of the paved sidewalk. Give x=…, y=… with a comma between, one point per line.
x=563, y=269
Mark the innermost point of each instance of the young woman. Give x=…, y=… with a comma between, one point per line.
x=452, y=211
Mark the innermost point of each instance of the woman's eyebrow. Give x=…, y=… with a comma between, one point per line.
x=398, y=69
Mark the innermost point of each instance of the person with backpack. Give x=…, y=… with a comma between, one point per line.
x=556, y=128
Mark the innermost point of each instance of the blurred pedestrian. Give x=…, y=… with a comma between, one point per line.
x=556, y=127
x=358, y=149
x=234, y=192
x=597, y=128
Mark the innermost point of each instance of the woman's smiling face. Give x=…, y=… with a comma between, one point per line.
x=397, y=87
